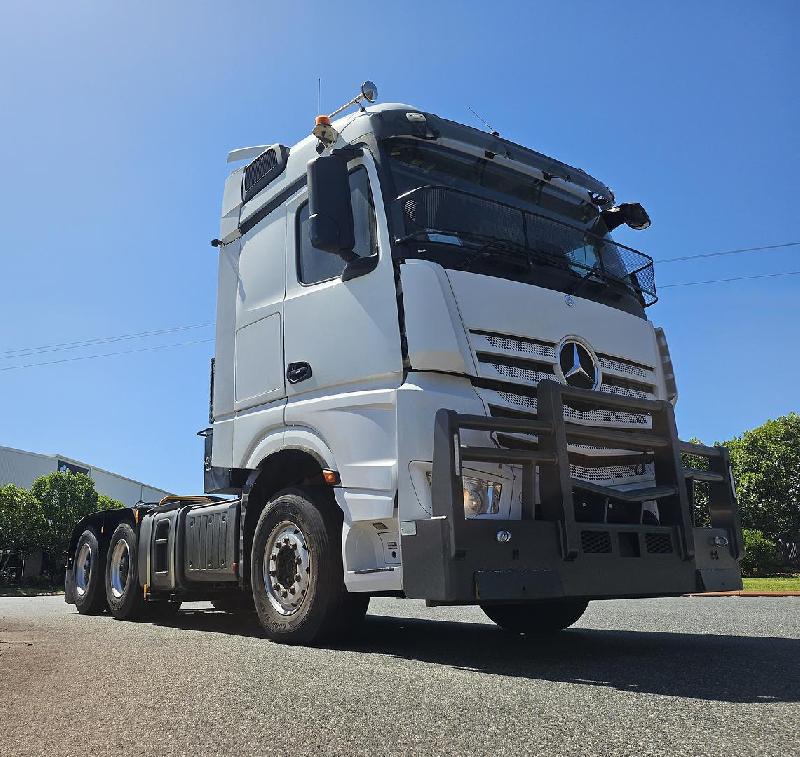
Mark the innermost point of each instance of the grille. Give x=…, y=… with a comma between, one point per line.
x=597, y=542
x=525, y=346
x=632, y=369
x=610, y=472
x=658, y=544
x=508, y=361
x=626, y=391
x=588, y=416
x=525, y=374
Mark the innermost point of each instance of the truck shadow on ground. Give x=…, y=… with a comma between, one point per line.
x=724, y=668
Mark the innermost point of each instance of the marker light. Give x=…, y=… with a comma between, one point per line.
x=323, y=130
x=331, y=477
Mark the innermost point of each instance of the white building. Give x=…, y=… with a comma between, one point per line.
x=23, y=468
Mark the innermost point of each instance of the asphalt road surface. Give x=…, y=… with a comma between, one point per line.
x=692, y=676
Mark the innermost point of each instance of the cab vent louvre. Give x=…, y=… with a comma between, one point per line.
x=264, y=169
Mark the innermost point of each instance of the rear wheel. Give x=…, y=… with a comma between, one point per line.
x=544, y=617
x=88, y=574
x=124, y=595
x=296, y=568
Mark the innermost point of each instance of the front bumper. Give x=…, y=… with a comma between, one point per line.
x=448, y=558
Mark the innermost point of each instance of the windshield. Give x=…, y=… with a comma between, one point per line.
x=473, y=214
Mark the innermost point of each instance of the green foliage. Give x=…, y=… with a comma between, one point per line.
x=22, y=523
x=65, y=498
x=766, y=468
x=762, y=556
x=701, y=518
x=773, y=583
x=104, y=502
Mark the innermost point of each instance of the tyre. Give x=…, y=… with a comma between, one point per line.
x=88, y=572
x=296, y=568
x=352, y=612
x=544, y=617
x=123, y=593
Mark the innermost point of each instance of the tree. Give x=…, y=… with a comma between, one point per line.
x=22, y=523
x=761, y=555
x=65, y=498
x=766, y=468
x=698, y=490
x=104, y=502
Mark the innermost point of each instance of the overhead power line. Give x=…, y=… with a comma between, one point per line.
x=105, y=354
x=726, y=252
x=735, y=278
x=92, y=342
x=24, y=352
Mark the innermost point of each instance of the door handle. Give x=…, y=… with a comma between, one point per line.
x=297, y=372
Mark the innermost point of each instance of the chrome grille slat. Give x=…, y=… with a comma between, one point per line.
x=594, y=417
x=510, y=344
x=608, y=363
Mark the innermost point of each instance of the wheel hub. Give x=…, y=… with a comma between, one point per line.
x=287, y=568
x=120, y=567
x=83, y=569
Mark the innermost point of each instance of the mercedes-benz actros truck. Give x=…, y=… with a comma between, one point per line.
x=434, y=378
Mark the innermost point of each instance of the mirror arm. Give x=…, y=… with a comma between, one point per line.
x=360, y=267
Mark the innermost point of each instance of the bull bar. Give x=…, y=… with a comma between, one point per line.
x=449, y=558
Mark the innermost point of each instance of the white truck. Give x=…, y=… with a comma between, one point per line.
x=434, y=378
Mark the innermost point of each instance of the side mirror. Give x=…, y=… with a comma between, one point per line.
x=630, y=213
x=330, y=208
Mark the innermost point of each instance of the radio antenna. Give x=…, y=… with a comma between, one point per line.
x=319, y=94
x=491, y=128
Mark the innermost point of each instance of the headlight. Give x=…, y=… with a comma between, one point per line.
x=480, y=497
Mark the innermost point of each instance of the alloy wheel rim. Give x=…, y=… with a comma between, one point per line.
x=83, y=569
x=287, y=568
x=120, y=568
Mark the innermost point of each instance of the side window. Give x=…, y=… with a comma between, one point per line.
x=315, y=265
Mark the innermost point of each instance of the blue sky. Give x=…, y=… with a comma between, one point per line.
x=116, y=120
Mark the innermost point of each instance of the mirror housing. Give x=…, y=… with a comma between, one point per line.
x=330, y=208
x=369, y=91
x=632, y=214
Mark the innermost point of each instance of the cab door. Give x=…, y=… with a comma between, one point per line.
x=340, y=335
x=342, y=338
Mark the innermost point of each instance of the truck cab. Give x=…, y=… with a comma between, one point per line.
x=434, y=377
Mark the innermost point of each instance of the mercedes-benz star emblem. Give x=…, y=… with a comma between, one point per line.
x=578, y=365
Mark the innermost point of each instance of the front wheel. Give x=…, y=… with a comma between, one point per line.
x=543, y=617
x=296, y=568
